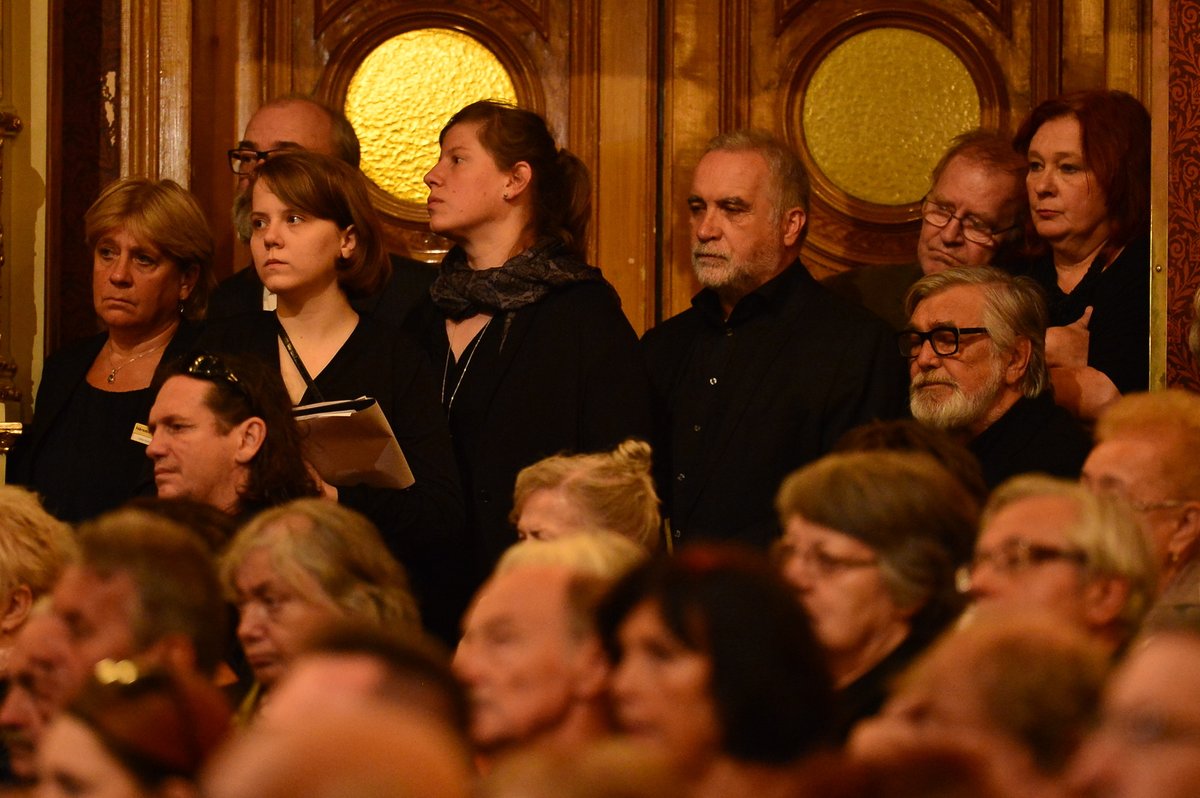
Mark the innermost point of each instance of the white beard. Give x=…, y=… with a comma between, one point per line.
x=958, y=410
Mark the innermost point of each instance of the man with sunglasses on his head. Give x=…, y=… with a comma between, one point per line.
x=976, y=346
x=222, y=433
x=973, y=215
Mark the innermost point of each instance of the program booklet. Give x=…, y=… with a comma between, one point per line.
x=349, y=442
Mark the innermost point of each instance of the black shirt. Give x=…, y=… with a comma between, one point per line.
x=745, y=401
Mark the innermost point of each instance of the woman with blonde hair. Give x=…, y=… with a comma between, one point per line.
x=607, y=491
x=34, y=549
x=151, y=257
x=301, y=565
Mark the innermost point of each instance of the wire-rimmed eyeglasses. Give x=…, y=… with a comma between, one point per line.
x=1015, y=556
x=974, y=229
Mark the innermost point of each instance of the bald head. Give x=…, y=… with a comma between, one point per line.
x=361, y=751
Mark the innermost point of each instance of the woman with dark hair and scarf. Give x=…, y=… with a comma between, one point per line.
x=535, y=356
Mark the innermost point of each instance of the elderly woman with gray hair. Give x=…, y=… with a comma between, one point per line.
x=298, y=567
x=871, y=542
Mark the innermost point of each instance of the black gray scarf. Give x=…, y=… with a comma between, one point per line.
x=460, y=291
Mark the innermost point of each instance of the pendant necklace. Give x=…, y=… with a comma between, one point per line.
x=112, y=375
x=446, y=369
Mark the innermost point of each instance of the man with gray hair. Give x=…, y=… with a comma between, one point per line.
x=531, y=658
x=976, y=346
x=971, y=216
x=767, y=369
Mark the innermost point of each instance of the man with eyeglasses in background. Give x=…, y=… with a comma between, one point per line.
x=1146, y=452
x=1048, y=545
x=297, y=122
x=973, y=215
x=222, y=433
x=976, y=348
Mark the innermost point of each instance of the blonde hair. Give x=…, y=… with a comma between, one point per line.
x=337, y=547
x=167, y=217
x=34, y=545
x=1106, y=532
x=595, y=560
x=614, y=490
x=601, y=554
x=1170, y=419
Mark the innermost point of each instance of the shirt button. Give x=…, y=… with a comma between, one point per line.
x=712, y=380
x=680, y=477
x=728, y=331
x=677, y=533
x=695, y=428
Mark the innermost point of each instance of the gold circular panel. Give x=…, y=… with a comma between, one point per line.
x=881, y=108
x=404, y=91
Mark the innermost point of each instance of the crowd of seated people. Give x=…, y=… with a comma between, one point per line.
x=729, y=560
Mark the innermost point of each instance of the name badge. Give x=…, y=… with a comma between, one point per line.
x=141, y=434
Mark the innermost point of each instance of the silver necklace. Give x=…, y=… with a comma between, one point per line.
x=446, y=368
x=112, y=375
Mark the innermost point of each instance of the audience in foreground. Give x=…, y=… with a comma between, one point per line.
x=133, y=734
x=1146, y=742
x=716, y=667
x=1145, y=453
x=1017, y=693
x=608, y=491
x=530, y=657
x=1048, y=544
x=34, y=548
x=871, y=542
x=302, y=565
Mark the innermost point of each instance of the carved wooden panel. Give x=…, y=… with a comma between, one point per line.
x=1183, y=202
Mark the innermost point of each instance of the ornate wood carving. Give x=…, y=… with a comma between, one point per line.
x=1183, y=203
x=155, y=88
x=327, y=12
x=999, y=12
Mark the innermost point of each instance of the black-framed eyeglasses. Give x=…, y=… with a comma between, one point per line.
x=1015, y=556
x=243, y=160
x=944, y=340
x=212, y=368
x=974, y=229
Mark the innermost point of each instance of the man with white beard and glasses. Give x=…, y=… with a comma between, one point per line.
x=976, y=346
